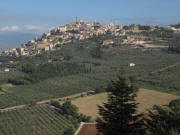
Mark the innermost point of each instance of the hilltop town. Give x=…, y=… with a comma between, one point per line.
x=81, y=30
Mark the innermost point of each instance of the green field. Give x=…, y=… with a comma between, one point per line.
x=36, y=120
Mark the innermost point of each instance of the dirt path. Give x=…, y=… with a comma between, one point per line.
x=71, y=96
x=77, y=131
x=13, y=108
x=44, y=101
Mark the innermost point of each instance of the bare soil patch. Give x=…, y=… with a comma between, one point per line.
x=146, y=98
x=88, y=105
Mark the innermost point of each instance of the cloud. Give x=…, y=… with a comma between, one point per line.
x=35, y=29
x=10, y=28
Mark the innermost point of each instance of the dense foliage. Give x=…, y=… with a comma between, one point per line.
x=45, y=71
x=70, y=110
x=163, y=121
x=69, y=131
x=175, y=105
x=96, y=52
x=36, y=73
x=100, y=89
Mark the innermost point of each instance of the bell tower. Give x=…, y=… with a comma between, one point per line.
x=77, y=19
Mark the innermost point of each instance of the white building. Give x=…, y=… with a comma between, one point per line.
x=132, y=64
x=63, y=29
x=6, y=70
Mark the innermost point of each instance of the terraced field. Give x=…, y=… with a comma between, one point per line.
x=35, y=120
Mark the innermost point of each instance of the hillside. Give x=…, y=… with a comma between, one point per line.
x=90, y=63
x=159, y=78
x=143, y=36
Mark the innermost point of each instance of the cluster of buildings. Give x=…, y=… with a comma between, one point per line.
x=176, y=30
x=65, y=34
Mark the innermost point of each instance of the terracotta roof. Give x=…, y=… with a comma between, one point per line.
x=88, y=129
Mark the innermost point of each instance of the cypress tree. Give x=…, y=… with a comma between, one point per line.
x=117, y=116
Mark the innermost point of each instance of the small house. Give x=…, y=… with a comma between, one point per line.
x=132, y=64
x=108, y=42
x=6, y=70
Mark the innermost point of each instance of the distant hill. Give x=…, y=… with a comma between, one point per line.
x=9, y=40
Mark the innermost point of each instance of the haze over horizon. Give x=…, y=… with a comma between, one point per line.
x=35, y=17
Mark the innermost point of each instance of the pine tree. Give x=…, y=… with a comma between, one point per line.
x=118, y=114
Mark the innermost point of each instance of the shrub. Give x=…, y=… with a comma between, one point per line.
x=100, y=90
x=84, y=118
x=55, y=104
x=97, y=63
x=69, y=131
x=175, y=105
x=69, y=109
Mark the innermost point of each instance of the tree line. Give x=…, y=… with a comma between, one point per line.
x=34, y=73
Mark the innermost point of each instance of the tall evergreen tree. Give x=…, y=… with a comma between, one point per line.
x=118, y=114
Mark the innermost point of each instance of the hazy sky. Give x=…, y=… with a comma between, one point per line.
x=41, y=15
